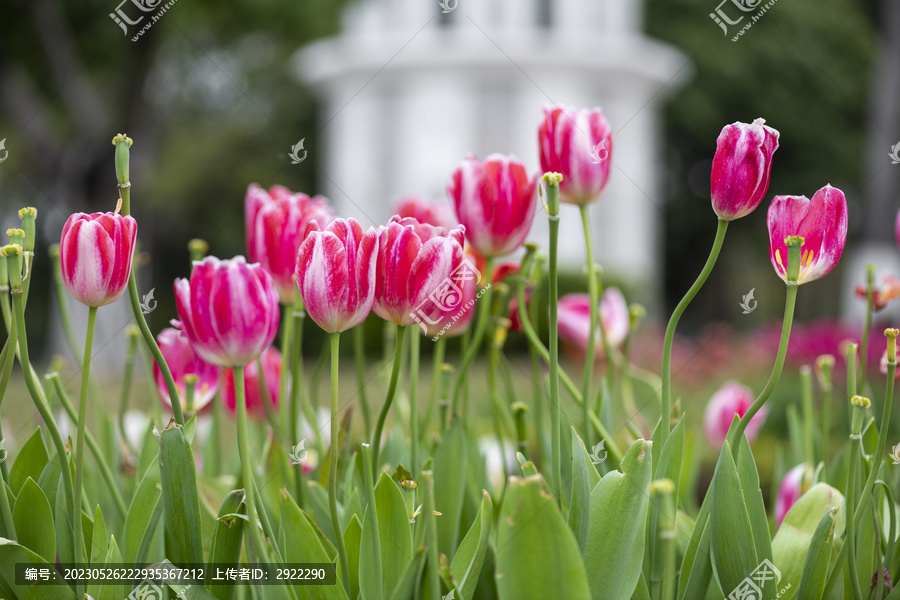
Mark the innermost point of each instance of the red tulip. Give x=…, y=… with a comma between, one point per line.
x=495, y=201
x=271, y=364
x=277, y=222
x=574, y=319
x=423, y=210
x=794, y=484
x=183, y=361
x=577, y=143
x=420, y=268
x=336, y=274
x=741, y=167
x=229, y=310
x=96, y=251
x=731, y=399
x=822, y=222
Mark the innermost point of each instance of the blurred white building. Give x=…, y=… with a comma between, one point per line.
x=411, y=86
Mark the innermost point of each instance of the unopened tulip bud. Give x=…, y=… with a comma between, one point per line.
x=577, y=143
x=636, y=314
x=96, y=256
x=741, y=168
x=197, y=249
x=501, y=329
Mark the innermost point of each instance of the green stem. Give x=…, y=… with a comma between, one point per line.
x=414, y=348
x=589, y=353
x=878, y=457
x=373, y=551
x=434, y=580
x=7, y=359
x=493, y=357
x=298, y=396
x=130, y=351
x=808, y=413
x=850, y=541
x=440, y=350
x=246, y=465
x=286, y=368
x=94, y=447
x=82, y=418
x=867, y=326
x=789, y=304
x=214, y=461
x=552, y=186
x=666, y=392
x=359, y=357
x=484, y=311
x=334, y=453
x=389, y=399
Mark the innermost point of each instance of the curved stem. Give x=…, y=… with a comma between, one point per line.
x=82, y=417
x=334, y=454
x=789, y=304
x=413, y=398
x=591, y=340
x=389, y=399
x=666, y=392
x=246, y=468
x=484, y=311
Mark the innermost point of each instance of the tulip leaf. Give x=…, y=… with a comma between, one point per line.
x=181, y=503
x=65, y=536
x=450, y=458
x=143, y=515
x=149, y=451
x=795, y=534
x=118, y=591
x=732, y=549
x=225, y=547
x=302, y=545
x=394, y=530
x=12, y=553
x=756, y=508
x=99, y=548
x=668, y=466
x=469, y=558
x=34, y=521
x=30, y=461
x=50, y=480
x=352, y=539
x=584, y=478
x=537, y=555
x=407, y=583
x=618, y=520
x=818, y=557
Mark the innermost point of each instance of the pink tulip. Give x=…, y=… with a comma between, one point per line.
x=423, y=210
x=574, y=319
x=420, y=267
x=883, y=366
x=271, y=364
x=96, y=251
x=495, y=201
x=731, y=399
x=822, y=222
x=453, y=321
x=794, y=484
x=278, y=221
x=336, y=274
x=183, y=361
x=577, y=143
x=741, y=167
x=229, y=310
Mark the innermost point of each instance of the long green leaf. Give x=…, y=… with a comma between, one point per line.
x=99, y=548
x=11, y=554
x=181, y=503
x=618, y=521
x=394, y=531
x=818, y=557
x=352, y=539
x=450, y=458
x=732, y=550
x=143, y=514
x=469, y=558
x=225, y=547
x=584, y=478
x=756, y=509
x=537, y=554
x=30, y=461
x=34, y=521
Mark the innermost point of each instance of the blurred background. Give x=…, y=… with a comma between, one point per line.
x=388, y=95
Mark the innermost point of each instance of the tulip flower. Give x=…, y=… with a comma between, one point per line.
x=420, y=268
x=731, y=399
x=278, y=221
x=577, y=143
x=821, y=222
x=794, y=484
x=741, y=167
x=335, y=272
x=883, y=365
x=453, y=321
x=427, y=211
x=256, y=407
x=96, y=251
x=883, y=296
x=229, y=310
x=183, y=361
x=495, y=201
x=574, y=317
